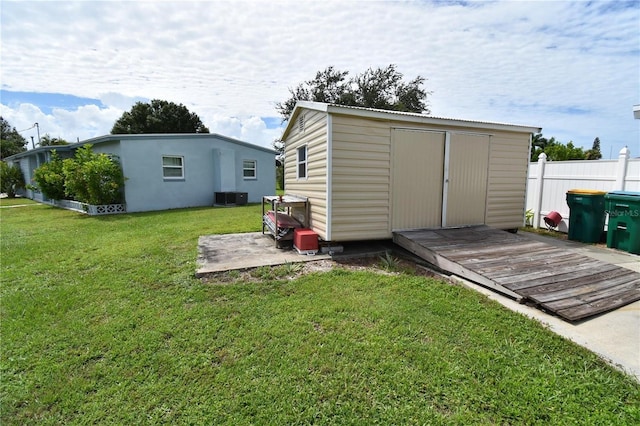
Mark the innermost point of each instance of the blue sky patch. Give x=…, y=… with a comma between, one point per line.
x=272, y=122
x=47, y=101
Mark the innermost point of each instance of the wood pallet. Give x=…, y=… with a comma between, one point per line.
x=571, y=285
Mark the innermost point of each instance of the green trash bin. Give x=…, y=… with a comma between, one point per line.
x=623, y=232
x=587, y=214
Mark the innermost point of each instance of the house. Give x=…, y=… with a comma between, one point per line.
x=169, y=171
x=369, y=172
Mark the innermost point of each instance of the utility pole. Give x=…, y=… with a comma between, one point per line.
x=38, y=127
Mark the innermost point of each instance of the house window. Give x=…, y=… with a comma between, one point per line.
x=172, y=167
x=302, y=162
x=249, y=168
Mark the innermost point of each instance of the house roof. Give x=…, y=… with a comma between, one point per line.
x=119, y=137
x=411, y=117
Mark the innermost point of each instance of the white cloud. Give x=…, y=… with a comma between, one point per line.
x=82, y=123
x=231, y=61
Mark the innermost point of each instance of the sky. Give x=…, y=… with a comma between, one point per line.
x=570, y=67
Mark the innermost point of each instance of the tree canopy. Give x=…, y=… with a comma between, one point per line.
x=557, y=151
x=594, y=153
x=381, y=88
x=11, y=142
x=158, y=116
x=47, y=140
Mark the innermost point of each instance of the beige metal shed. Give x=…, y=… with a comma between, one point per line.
x=370, y=172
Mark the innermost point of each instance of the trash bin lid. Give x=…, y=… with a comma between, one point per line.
x=586, y=192
x=625, y=193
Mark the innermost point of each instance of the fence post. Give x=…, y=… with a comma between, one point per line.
x=623, y=162
x=542, y=161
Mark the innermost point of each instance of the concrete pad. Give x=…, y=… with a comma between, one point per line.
x=227, y=252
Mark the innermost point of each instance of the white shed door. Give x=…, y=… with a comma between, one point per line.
x=439, y=179
x=417, y=179
x=465, y=185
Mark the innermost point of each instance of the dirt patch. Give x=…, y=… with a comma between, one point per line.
x=380, y=265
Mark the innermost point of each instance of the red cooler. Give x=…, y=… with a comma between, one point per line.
x=305, y=241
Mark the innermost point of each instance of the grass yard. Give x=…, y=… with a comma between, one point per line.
x=102, y=321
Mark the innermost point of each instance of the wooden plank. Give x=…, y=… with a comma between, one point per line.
x=487, y=251
x=586, y=294
x=615, y=301
x=505, y=266
x=524, y=286
x=559, y=282
x=550, y=272
x=509, y=255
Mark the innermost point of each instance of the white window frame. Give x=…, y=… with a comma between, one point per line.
x=304, y=162
x=253, y=169
x=180, y=167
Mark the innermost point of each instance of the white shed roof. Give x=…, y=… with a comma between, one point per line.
x=380, y=114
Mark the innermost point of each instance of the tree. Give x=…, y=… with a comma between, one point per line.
x=11, y=179
x=11, y=142
x=158, y=117
x=594, y=153
x=47, y=140
x=381, y=88
x=555, y=150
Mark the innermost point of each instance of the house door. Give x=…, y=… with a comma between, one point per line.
x=439, y=179
x=417, y=178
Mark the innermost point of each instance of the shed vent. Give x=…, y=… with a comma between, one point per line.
x=301, y=123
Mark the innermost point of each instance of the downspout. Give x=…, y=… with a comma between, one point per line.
x=329, y=175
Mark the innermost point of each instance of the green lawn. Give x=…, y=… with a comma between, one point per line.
x=102, y=321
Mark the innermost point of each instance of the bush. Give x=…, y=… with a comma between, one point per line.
x=93, y=178
x=11, y=179
x=88, y=177
x=49, y=178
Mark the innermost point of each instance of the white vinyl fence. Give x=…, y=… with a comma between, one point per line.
x=549, y=181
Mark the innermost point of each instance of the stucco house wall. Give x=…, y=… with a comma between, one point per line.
x=210, y=163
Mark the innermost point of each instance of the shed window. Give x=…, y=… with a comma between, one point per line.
x=172, y=167
x=249, y=168
x=302, y=162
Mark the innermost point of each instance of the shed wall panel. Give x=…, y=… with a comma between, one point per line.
x=507, y=180
x=314, y=187
x=361, y=164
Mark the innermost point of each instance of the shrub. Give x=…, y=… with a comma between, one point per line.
x=93, y=178
x=49, y=178
x=11, y=179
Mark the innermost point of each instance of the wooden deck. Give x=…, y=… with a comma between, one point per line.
x=571, y=285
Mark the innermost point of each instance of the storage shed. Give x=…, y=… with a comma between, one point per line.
x=368, y=172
